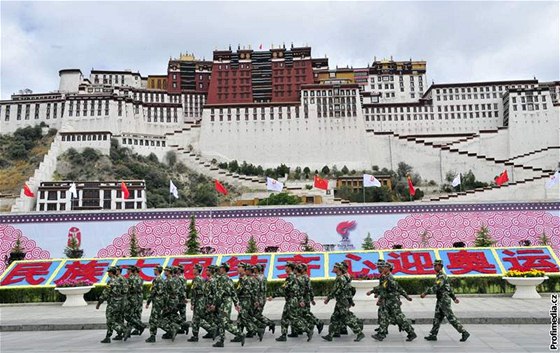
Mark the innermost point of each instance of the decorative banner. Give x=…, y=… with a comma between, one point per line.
x=406, y=262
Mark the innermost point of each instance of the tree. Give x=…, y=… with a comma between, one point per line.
x=483, y=238
x=305, y=247
x=368, y=243
x=73, y=251
x=325, y=170
x=297, y=173
x=134, y=247
x=403, y=170
x=544, y=240
x=252, y=246
x=192, y=245
x=282, y=198
x=306, y=171
x=345, y=170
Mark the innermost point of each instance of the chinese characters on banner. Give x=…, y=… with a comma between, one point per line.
x=406, y=263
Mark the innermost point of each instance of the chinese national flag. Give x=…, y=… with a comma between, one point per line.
x=124, y=190
x=27, y=191
x=411, y=189
x=320, y=183
x=220, y=188
x=502, y=179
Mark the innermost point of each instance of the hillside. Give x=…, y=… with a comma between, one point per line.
x=20, y=154
x=195, y=190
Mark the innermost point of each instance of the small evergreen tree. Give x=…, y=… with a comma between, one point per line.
x=368, y=243
x=305, y=247
x=73, y=251
x=544, y=240
x=192, y=245
x=252, y=246
x=483, y=238
x=134, y=247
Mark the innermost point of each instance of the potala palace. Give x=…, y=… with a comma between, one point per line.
x=281, y=105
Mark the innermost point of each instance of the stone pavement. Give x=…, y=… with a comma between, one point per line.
x=471, y=310
x=484, y=338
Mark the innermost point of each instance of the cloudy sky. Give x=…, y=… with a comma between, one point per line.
x=462, y=41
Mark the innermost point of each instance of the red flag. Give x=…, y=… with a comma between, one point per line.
x=27, y=191
x=411, y=189
x=220, y=188
x=124, y=190
x=260, y=46
x=502, y=179
x=320, y=183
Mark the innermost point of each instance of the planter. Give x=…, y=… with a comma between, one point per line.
x=525, y=287
x=74, y=295
x=362, y=287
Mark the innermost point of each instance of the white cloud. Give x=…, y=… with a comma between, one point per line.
x=462, y=41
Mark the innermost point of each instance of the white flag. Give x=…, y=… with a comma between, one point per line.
x=274, y=185
x=370, y=180
x=73, y=191
x=456, y=181
x=553, y=180
x=173, y=189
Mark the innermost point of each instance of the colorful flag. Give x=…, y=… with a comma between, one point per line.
x=220, y=188
x=274, y=185
x=73, y=191
x=411, y=189
x=553, y=180
x=370, y=180
x=27, y=191
x=456, y=181
x=173, y=189
x=502, y=178
x=320, y=183
x=124, y=190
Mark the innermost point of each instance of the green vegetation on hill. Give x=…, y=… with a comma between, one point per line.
x=195, y=190
x=20, y=154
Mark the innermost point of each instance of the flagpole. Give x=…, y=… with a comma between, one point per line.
x=460, y=182
x=364, y=191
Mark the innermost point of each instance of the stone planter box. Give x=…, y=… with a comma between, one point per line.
x=525, y=287
x=74, y=295
x=362, y=287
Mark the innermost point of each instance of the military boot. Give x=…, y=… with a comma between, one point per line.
x=151, y=339
x=127, y=333
x=344, y=331
x=218, y=344
x=260, y=333
x=106, y=340
x=327, y=338
x=282, y=338
x=378, y=337
x=193, y=339
x=250, y=335
x=272, y=327
x=320, y=326
x=411, y=336
x=166, y=336
x=431, y=338
x=293, y=334
x=207, y=335
x=118, y=337
x=464, y=336
x=360, y=337
x=309, y=335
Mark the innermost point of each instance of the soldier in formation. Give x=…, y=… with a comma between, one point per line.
x=198, y=303
x=260, y=300
x=444, y=294
x=115, y=295
x=135, y=299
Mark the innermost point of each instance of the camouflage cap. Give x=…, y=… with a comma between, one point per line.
x=249, y=268
x=169, y=268
x=337, y=265
x=118, y=268
x=242, y=265
x=133, y=268
x=159, y=268
x=225, y=266
x=438, y=262
x=303, y=266
x=390, y=265
x=259, y=267
x=112, y=269
x=291, y=265
x=181, y=268
x=380, y=262
x=197, y=267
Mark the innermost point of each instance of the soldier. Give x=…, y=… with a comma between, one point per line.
x=444, y=294
x=308, y=296
x=342, y=316
x=210, y=286
x=114, y=294
x=123, y=282
x=198, y=304
x=179, y=273
x=261, y=298
x=389, y=298
x=291, y=315
x=158, y=295
x=170, y=318
x=222, y=299
x=135, y=298
x=247, y=290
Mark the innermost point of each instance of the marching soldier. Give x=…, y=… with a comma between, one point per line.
x=170, y=318
x=261, y=297
x=308, y=296
x=444, y=294
x=179, y=274
x=158, y=296
x=342, y=316
x=198, y=304
x=247, y=293
x=221, y=304
x=135, y=299
x=389, y=298
x=210, y=287
x=291, y=315
x=115, y=295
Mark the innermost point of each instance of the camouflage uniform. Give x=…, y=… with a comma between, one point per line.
x=261, y=299
x=170, y=317
x=388, y=292
x=182, y=297
x=308, y=297
x=115, y=295
x=342, y=316
x=381, y=312
x=444, y=294
x=135, y=299
x=198, y=305
x=160, y=303
x=222, y=299
x=247, y=290
x=292, y=314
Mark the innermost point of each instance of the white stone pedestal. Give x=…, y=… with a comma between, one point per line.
x=74, y=295
x=525, y=287
x=362, y=287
